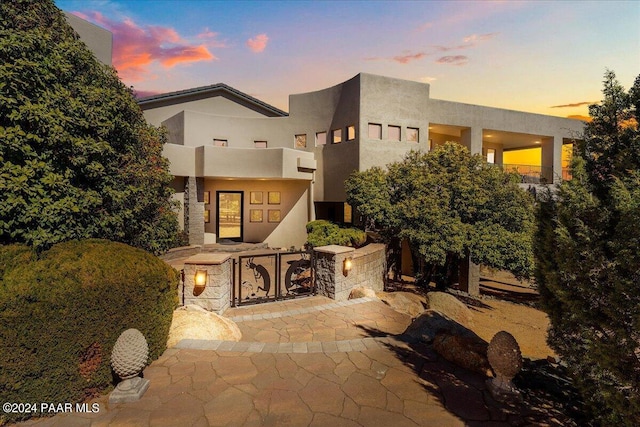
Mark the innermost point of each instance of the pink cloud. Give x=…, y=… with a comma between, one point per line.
x=136, y=47
x=144, y=93
x=424, y=27
x=453, y=60
x=479, y=37
x=258, y=43
x=405, y=59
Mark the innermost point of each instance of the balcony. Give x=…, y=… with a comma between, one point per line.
x=531, y=174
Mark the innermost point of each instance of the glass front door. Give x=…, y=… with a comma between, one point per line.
x=229, y=215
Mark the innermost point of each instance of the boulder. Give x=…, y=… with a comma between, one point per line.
x=465, y=351
x=431, y=323
x=403, y=302
x=362, y=292
x=451, y=306
x=194, y=322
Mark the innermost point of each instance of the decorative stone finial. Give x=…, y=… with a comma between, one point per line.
x=128, y=359
x=505, y=358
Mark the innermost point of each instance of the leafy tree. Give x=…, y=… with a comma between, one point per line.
x=77, y=158
x=448, y=204
x=588, y=259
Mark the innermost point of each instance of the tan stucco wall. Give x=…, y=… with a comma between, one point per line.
x=215, y=105
x=97, y=39
x=290, y=231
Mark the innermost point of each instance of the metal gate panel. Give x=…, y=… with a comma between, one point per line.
x=269, y=277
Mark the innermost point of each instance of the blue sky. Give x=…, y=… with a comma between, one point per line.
x=538, y=56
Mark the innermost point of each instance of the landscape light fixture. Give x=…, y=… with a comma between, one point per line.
x=200, y=278
x=346, y=267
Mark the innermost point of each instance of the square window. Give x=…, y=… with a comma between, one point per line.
x=274, y=197
x=412, y=135
x=220, y=143
x=301, y=141
x=394, y=133
x=375, y=131
x=274, y=215
x=255, y=215
x=321, y=138
x=351, y=133
x=255, y=197
x=336, y=136
x=260, y=144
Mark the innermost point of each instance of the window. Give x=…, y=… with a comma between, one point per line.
x=301, y=141
x=255, y=215
x=260, y=144
x=220, y=142
x=375, y=131
x=336, y=136
x=412, y=135
x=348, y=213
x=394, y=133
x=255, y=198
x=321, y=138
x=351, y=133
x=274, y=215
x=491, y=155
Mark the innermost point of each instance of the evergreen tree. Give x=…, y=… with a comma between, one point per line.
x=448, y=204
x=588, y=259
x=77, y=158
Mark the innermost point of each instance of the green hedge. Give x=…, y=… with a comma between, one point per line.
x=322, y=232
x=62, y=311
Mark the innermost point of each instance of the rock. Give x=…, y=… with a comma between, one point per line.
x=193, y=322
x=431, y=323
x=403, y=302
x=505, y=358
x=361, y=292
x=465, y=351
x=451, y=306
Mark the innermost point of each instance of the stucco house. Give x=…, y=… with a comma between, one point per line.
x=247, y=171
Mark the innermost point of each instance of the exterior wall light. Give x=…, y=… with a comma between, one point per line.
x=200, y=279
x=347, y=265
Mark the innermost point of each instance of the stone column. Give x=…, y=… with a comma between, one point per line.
x=469, y=277
x=552, y=159
x=216, y=294
x=194, y=210
x=472, y=139
x=330, y=278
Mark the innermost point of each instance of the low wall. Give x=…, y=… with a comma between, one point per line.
x=368, y=268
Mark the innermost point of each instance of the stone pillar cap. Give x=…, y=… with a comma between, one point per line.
x=208, y=258
x=334, y=249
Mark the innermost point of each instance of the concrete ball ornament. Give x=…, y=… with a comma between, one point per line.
x=130, y=354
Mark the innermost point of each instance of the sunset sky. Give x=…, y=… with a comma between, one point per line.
x=537, y=56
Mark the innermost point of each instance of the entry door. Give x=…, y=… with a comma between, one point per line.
x=230, y=205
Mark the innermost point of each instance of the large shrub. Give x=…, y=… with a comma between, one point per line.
x=588, y=260
x=322, y=232
x=62, y=311
x=449, y=205
x=77, y=158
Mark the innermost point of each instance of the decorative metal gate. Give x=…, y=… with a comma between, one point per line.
x=270, y=277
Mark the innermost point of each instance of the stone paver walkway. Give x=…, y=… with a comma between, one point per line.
x=310, y=362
